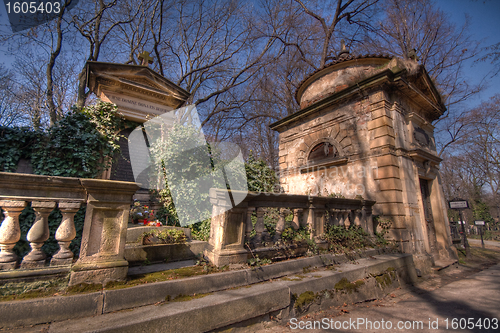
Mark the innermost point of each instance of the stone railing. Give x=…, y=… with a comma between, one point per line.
x=104, y=234
x=231, y=226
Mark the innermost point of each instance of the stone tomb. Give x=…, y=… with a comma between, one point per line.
x=140, y=94
x=364, y=129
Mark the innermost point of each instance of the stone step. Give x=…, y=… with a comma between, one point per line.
x=60, y=308
x=137, y=254
x=145, y=269
x=224, y=308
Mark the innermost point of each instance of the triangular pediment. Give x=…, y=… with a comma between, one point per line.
x=139, y=92
x=137, y=81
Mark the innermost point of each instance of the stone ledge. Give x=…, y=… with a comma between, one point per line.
x=59, y=308
x=228, y=307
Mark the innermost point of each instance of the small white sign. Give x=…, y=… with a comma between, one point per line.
x=458, y=204
x=479, y=222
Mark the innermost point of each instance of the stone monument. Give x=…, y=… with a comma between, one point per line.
x=139, y=93
x=364, y=128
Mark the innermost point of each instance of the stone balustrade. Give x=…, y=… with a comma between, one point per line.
x=232, y=226
x=103, y=240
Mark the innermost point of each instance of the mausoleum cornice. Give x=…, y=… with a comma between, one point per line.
x=409, y=79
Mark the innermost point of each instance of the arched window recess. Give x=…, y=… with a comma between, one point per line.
x=324, y=153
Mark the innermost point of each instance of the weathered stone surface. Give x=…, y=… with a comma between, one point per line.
x=104, y=233
x=46, y=310
x=235, y=305
x=160, y=252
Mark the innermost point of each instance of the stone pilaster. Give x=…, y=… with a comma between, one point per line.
x=104, y=233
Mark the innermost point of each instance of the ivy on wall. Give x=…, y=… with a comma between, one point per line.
x=82, y=144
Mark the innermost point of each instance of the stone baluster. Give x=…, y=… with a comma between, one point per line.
x=10, y=232
x=38, y=234
x=65, y=233
x=305, y=218
x=249, y=225
x=280, y=226
x=331, y=217
x=347, y=223
x=259, y=227
x=295, y=221
x=356, y=217
x=311, y=221
x=340, y=218
x=319, y=222
x=368, y=218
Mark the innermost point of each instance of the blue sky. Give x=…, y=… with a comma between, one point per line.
x=484, y=25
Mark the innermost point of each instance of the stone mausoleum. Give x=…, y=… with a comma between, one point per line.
x=364, y=128
x=140, y=94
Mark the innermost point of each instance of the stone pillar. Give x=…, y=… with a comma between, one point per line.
x=38, y=234
x=295, y=221
x=10, y=233
x=104, y=233
x=65, y=233
x=259, y=227
x=228, y=229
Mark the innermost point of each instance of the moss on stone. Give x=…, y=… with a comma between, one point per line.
x=183, y=298
x=384, y=280
x=305, y=298
x=23, y=290
x=346, y=285
x=84, y=288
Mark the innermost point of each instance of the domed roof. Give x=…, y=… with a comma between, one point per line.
x=338, y=75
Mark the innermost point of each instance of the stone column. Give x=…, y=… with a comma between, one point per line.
x=65, y=233
x=38, y=234
x=104, y=233
x=296, y=221
x=10, y=233
x=259, y=227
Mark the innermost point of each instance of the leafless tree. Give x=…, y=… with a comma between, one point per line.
x=9, y=112
x=330, y=14
x=95, y=26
